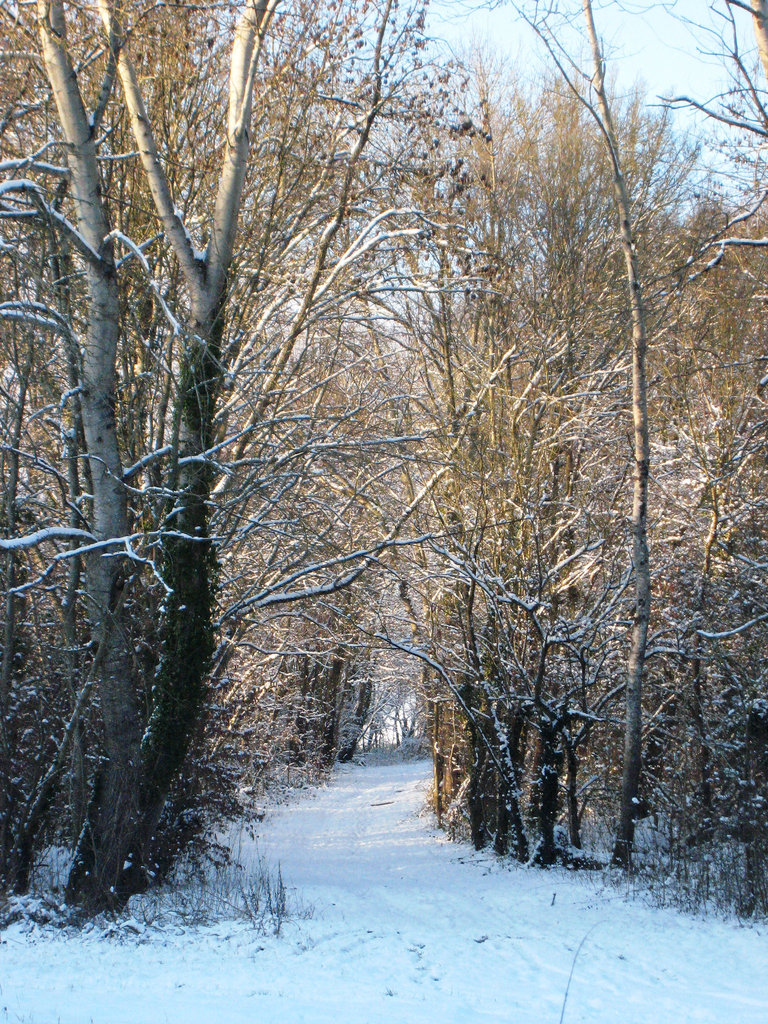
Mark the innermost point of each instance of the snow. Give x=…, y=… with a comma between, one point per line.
x=405, y=928
x=31, y=540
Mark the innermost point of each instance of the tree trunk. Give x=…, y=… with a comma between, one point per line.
x=571, y=783
x=760, y=21
x=622, y=854
x=104, y=844
x=547, y=780
x=189, y=570
x=189, y=562
x=438, y=758
x=476, y=791
x=510, y=831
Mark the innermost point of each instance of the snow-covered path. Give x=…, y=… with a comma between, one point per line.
x=405, y=929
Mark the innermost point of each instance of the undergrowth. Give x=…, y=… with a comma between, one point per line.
x=244, y=887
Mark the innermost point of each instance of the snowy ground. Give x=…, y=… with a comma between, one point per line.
x=405, y=929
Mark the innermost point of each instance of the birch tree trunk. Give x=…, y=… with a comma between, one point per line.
x=622, y=853
x=760, y=20
x=103, y=846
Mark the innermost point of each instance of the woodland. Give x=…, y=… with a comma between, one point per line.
x=353, y=391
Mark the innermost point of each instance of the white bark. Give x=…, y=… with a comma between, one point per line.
x=249, y=35
x=205, y=277
x=104, y=576
x=760, y=20
x=110, y=516
x=150, y=159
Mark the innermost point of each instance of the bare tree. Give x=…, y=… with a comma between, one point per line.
x=592, y=92
x=640, y=554
x=113, y=818
x=205, y=341
x=524, y=588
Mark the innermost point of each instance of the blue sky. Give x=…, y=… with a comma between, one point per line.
x=671, y=45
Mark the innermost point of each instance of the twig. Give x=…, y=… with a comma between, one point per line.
x=573, y=968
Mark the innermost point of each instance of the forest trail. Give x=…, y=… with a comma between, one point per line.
x=405, y=928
